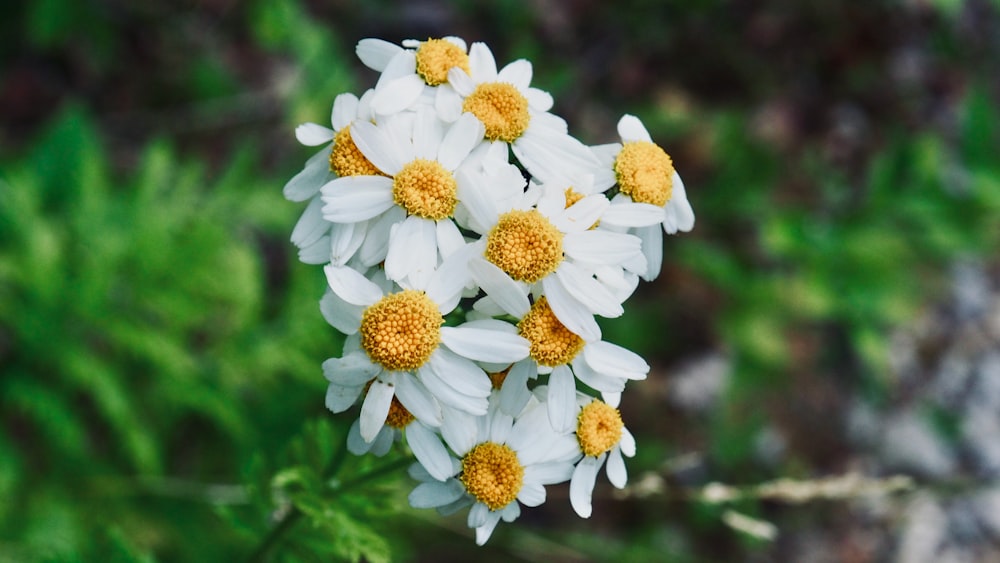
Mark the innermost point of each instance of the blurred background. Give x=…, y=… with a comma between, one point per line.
x=835, y=312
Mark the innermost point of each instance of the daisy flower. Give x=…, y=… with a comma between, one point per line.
x=412, y=71
x=321, y=241
x=565, y=356
x=601, y=436
x=535, y=244
x=414, y=191
x=514, y=113
x=498, y=461
x=645, y=173
x=397, y=346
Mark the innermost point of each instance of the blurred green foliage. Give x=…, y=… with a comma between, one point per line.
x=160, y=345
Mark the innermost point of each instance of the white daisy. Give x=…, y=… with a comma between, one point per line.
x=498, y=461
x=535, y=244
x=321, y=241
x=601, y=436
x=646, y=174
x=515, y=113
x=565, y=356
x=413, y=71
x=398, y=345
x=413, y=199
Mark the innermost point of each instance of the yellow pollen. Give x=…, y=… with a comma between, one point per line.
x=347, y=160
x=492, y=474
x=497, y=378
x=645, y=173
x=552, y=344
x=598, y=428
x=502, y=109
x=425, y=189
x=525, y=245
x=401, y=331
x=435, y=57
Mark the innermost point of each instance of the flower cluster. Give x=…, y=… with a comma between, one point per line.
x=469, y=241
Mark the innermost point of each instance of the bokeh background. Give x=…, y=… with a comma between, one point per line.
x=836, y=310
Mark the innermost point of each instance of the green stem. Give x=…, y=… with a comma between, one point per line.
x=294, y=515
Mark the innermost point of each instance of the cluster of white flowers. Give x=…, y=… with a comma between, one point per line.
x=468, y=242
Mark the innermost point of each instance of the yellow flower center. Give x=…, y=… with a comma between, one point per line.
x=552, y=344
x=435, y=57
x=492, y=474
x=347, y=160
x=525, y=245
x=645, y=173
x=401, y=331
x=497, y=378
x=598, y=428
x=425, y=189
x=502, y=109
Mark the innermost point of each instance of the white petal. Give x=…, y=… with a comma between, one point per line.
x=312, y=134
x=539, y=100
x=616, y=469
x=412, y=249
x=631, y=129
x=485, y=345
x=445, y=286
x=403, y=63
x=562, y=399
x=531, y=494
x=353, y=370
x=316, y=253
x=355, y=443
x=478, y=515
x=582, y=215
x=351, y=286
x=549, y=473
x=684, y=215
x=517, y=73
x=585, y=289
x=446, y=394
x=652, y=248
x=510, y=512
x=418, y=400
x=376, y=244
x=345, y=110
x=601, y=247
x=375, y=408
x=474, y=194
x=612, y=398
x=595, y=380
x=340, y=398
x=429, y=450
x=376, y=53
x=383, y=441
x=514, y=394
x=377, y=147
x=356, y=198
x=447, y=102
x=627, y=442
x=427, y=134
x=435, y=493
x=461, y=82
x=345, y=240
x=484, y=532
x=310, y=179
x=506, y=292
x=449, y=238
x=341, y=315
x=482, y=63
x=463, y=136
x=396, y=95
x=311, y=226
x=581, y=486
x=459, y=431
x=460, y=373
x=615, y=361
x=570, y=312
x=632, y=214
